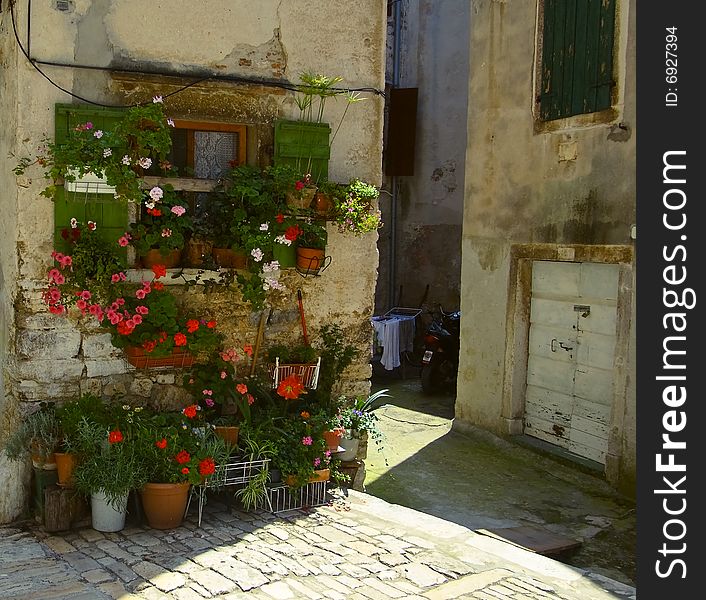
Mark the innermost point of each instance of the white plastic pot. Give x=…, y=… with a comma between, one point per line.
x=350, y=446
x=107, y=517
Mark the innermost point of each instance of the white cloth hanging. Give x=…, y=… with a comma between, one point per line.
x=395, y=334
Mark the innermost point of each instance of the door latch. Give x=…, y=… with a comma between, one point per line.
x=555, y=341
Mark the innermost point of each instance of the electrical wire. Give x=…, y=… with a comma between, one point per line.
x=235, y=79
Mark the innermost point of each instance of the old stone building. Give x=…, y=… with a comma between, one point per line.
x=214, y=62
x=548, y=270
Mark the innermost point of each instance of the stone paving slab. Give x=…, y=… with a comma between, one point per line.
x=356, y=547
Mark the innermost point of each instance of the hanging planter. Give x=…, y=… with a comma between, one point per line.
x=179, y=358
x=311, y=261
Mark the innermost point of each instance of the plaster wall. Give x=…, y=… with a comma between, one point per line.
x=50, y=357
x=434, y=53
x=569, y=182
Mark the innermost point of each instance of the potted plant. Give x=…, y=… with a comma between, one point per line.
x=71, y=415
x=355, y=209
x=258, y=449
x=311, y=247
x=361, y=423
x=38, y=435
x=328, y=195
x=176, y=454
x=160, y=234
x=110, y=468
x=116, y=156
x=302, y=455
x=85, y=272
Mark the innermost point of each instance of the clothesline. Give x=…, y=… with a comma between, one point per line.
x=395, y=334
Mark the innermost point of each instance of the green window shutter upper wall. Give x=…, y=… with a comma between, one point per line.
x=303, y=145
x=110, y=215
x=577, y=57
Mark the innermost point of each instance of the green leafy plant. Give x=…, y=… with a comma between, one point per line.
x=71, y=414
x=313, y=235
x=39, y=434
x=358, y=417
x=292, y=354
x=86, y=273
x=120, y=154
x=336, y=355
x=163, y=225
x=355, y=210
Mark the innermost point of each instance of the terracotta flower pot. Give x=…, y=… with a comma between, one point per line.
x=322, y=203
x=196, y=251
x=228, y=433
x=155, y=257
x=65, y=464
x=311, y=260
x=164, y=504
x=230, y=259
x=319, y=475
x=333, y=439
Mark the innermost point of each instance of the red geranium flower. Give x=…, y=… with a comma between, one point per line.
x=190, y=411
x=158, y=285
x=159, y=271
x=183, y=457
x=211, y=324
x=280, y=218
x=192, y=325
x=161, y=443
x=179, y=339
x=290, y=388
x=149, y=346
x=115, y=436
x=185, y=470
x=207, y=467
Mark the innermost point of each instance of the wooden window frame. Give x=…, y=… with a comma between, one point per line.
x=196, y=184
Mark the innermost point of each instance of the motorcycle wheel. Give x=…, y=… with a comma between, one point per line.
x=431, y=379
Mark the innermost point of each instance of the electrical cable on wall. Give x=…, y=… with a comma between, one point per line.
x=199, y=78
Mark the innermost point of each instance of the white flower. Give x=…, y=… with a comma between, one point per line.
x=157, y=100
x=125, y=160
x=264, y=226
x=144, y=162
x=257, y=254
x=98, y=134
x=273, y=284
x=107, y=152
x=156, y=193
x=170, y=122
x=270, y=266
x=281, y=239
x=74, y=223
x=150, y=204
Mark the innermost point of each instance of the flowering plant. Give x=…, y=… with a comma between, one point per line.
x=355, y=211
x=312, y=235
x=301, y=449
x=121, y=153
x=83, y=275
x=163, y=224
x=217, y=389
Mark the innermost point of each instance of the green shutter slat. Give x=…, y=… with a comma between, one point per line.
x=579, y=83
x=604, y=78
x=591, y=68
x=558, y=59
x=110, y=215
x=570, y=57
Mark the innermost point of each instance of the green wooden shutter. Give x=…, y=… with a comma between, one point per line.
x=577, y=57
x=110, y=215
x=303, y=145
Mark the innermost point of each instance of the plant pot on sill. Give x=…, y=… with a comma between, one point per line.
x=302, y=198
x=285, y=255
x=230, y=259
x=140, y=359
x=311, y=261
x=155, y=257
x=323, y=203
x=196, y=251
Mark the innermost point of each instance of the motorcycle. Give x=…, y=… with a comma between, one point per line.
x=441, y=349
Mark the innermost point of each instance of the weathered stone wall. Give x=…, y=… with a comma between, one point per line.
x=434, y=54
x=48, y=357
x=566, y=183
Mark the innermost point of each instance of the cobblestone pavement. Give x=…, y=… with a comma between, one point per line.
x=356, y=547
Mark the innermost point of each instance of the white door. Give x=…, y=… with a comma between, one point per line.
x=571, y=353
